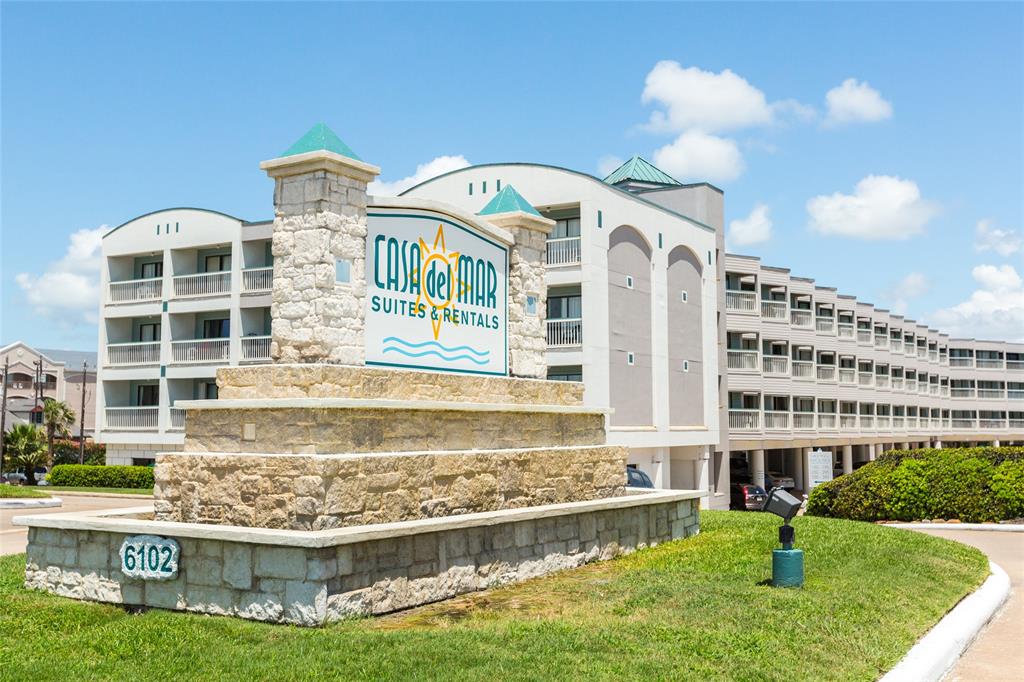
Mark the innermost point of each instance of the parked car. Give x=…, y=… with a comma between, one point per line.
x=746, y=496
x=774, y=479
x=637, y=479
x=14, y=478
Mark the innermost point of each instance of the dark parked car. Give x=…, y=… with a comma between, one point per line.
x=637, y=479
x=746, y=496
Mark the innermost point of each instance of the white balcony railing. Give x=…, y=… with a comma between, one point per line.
x=847, y=421
x=200, y=351
x=881, y=341
x=897, y=383
x=564, y=251
x=1015, y=364
x=825, y=325
x=744, y=420
x=826, y=373
x=991, y=393
x=132, y=418
x=255, y=348
x=776, y=420
x=565, y=332
x=177, y=419
x=1017, y=423
x=847, y=376
x=803, y=370
x=799, y=317
x=911, y=385
x=135, y=290
x=203, y=284
x=742, y=359
x=897, y=423
x=989, y=363
x=1014, y=394
x=944, y=391
x=881, y=381
x=826, y=421
x=909, y=349
x=744, y=301
x=863, y=336
x=993, y=423
x=962, y=392
x=775, y=364
x=961, y=362
x=933, y=356
x=896, y=345
x=257, y=280
x=964, y=424
x=774, y=310
x=865, y=379
x=883, y=422
x=867, y=421
x=922, y=352
x=803, y=420
x=138, y=353
x=846, y=330
x=933, y=389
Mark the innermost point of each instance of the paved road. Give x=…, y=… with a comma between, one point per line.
x=13, y=538
x=998, y=652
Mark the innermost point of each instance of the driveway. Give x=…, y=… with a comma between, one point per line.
x=14, y=538
x=998, y=652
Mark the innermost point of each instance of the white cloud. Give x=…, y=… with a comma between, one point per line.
x=424, y=171
x=68, y=291
x=607, y=163
x=696, y=155
x=990, y=238
x=754, y=229
x=994, y=311
x=855, y=102
x=881, y=207
x=914, y=285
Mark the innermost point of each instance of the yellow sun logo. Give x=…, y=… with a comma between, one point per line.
x=442, y=289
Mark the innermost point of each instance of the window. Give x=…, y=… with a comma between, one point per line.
x=630, y=358
x=216, y=329
x=686, y=365
x=483, y=187
x=147, y=395
x=152, y=270
x=471, y=189
x=218, y=263
x=565, y=307
x=342, y=271
x=149, y=331
x=564, y=376
x=208, y=390
x=600, y=219
x=629, y=281
x=685, y=297
x=497, y=185
x=531, y=304
x=565, y=227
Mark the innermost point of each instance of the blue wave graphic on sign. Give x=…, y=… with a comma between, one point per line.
x=435, y=344
x=392, y=349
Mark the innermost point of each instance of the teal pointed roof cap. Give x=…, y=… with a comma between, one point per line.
x=506, y=201
x=641, y=170
x=320, y=137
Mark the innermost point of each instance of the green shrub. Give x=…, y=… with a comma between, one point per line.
x=91, y=476
x=970, y=484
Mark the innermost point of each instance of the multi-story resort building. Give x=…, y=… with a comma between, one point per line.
x=35, y=375
x=696, y=354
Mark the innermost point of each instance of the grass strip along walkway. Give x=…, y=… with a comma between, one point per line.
x=19, y=492
x=695, y=609
x=119, y=491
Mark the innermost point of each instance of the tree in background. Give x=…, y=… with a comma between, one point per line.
x=58, y=419
x=25, y=447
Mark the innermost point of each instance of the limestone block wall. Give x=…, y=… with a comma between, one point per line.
x=527, y=333
x=351, y=575
x=320, y=217
x=340, y=381
x=302, y=492
x=327, y=429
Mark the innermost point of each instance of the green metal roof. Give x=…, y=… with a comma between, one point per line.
x=508, y=199
x=321, y=137
x=641, y=170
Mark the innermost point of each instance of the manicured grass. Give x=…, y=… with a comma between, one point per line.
x=19, y=491
x=695, y=609
x=125, y=491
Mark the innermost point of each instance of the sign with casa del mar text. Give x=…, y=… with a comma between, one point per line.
x=436, y=294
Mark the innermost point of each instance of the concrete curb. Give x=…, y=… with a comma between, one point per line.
x=998, y=527
x=936, y=653
x=30, y=503
x=122, y=496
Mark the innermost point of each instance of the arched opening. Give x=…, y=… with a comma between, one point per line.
x=629, y=328
x=685, y=339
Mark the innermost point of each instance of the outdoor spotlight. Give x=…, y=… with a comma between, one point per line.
x=787, y=563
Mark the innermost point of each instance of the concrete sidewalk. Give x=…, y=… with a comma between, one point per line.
x=998, y=652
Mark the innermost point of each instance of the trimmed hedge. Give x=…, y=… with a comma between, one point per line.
x=970, y=484
x=89, y=476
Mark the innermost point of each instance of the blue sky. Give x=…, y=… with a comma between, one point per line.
x=113, y=110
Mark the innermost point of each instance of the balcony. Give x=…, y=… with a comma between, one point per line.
x=848, y=422
x=882, y=422
x=825, y=325
x=742, y=359
x=803, y=420
x=933, y=389
x=202, y=284
x=826, y=373
x=827, y=421
x=863, y=336
x=911, y=385
x=743, y=301
x=896, y=345
x=865, y=379
x=1015, y=364
x=566, y=332
x=846, y=330
x=774, y=310
x=991, y=394
x=993, y=423
x=137, y=353
x=961, y=362
x=132, y=418
x=944, y=391
x=847, y=376
x=563, y=251
x=909, y=349
x=922, y=352
x=933, y=356
x=135, y=290
x=922, y=388
x=799, y=317
x=177, y=419
x=897, y=423
x=255, y=349
x=803, y=370
x=881, y=341
x=897, y=383
x=257, y=280
x=200, y=351
x=775, y=364
x=1017, y=423
x=744, y=420
x=964, y=424
x=1014, y=394
x=776, y=420
x=962, y=392
x=989, y=363
x=881, y=381
x=867, y=421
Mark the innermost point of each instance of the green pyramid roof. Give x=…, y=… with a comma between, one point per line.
x=641, y=170
x=507, y=200
x=321, y=137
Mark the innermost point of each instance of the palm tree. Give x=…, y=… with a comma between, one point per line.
x=25, y=444
x=58, y=419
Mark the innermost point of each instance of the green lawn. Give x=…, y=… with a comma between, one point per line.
x=20, y=491
x=126, y=491
x=694, y=609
